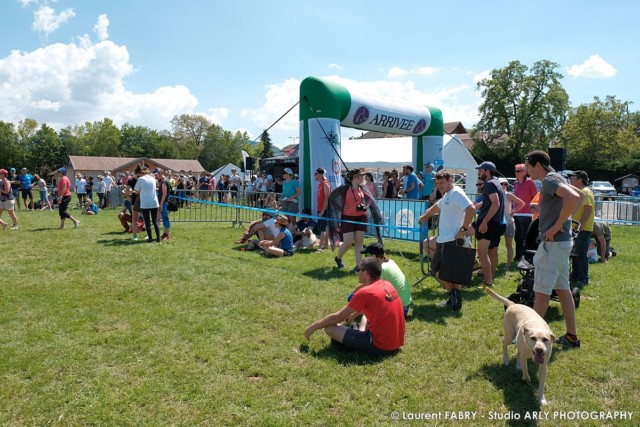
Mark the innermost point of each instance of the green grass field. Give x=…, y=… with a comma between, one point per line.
x=99, y=330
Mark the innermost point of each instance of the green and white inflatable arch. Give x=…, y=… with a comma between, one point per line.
x=325, y=106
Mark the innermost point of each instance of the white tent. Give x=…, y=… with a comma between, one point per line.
x=226, y=170
x=390, y=153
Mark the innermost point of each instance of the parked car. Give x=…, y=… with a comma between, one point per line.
x=603, y=188
x=635, y=192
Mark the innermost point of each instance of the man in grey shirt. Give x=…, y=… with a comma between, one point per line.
x=558, y=201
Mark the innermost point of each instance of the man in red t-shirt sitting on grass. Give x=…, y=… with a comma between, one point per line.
x=381, y=329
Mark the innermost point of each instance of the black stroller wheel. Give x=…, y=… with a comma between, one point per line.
x=523, y=298
x=576, y=296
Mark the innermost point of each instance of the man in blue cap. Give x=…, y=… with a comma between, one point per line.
x=490, y=225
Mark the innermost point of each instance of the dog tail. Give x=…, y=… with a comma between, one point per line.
x=499, y=298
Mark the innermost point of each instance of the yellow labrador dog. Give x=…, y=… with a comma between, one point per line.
x=534, y=339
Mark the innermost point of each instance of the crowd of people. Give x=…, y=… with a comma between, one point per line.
x=563, y=211
x=343, y=216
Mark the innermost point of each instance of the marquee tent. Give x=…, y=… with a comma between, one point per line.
x=226, y=170
x=390, y=153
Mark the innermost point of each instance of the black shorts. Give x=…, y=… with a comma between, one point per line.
x=436, y=261
x=27, y=193
x=350, y=227
x=363, y=340
x=493, y=234
x=322, y=223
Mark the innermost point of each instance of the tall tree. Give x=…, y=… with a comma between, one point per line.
x=267, y=147
x=103, y=138
x=27, y=128
x=45, y=150
x=603, y=137
x=13, y=153
x=222, y=147
x=139, y=141
x=190, y=129
x=521, y=109
x=72, y=142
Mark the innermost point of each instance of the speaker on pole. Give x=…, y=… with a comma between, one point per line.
x=558, y=157
x=249, y=163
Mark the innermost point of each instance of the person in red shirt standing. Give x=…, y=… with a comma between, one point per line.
x=382, y=328
x=525, y=189
x=64, y=193
x=322, y=203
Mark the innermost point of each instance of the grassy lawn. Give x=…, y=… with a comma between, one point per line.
x=99, y=330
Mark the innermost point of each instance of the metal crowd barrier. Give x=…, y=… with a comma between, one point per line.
x=217, y=206
x=622, y=210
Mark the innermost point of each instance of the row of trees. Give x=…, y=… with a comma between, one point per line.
x=42, y=149
x=528, y=109
x=523, y=109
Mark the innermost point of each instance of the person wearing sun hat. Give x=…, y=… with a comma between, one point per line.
x=282, y=244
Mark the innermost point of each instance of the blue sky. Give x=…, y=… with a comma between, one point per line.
x=240, y=63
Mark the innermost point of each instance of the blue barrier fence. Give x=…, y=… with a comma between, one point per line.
x=400, y=215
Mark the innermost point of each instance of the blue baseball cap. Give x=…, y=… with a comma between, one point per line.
x=487, y=166
x=63, y=171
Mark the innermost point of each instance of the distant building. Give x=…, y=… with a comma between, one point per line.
x=625, y=184
x=118, y=166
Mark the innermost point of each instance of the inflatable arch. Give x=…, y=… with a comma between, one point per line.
x=325, y=106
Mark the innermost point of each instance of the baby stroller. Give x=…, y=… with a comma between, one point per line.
x=524, y=293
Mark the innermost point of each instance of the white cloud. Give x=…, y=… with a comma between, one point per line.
x=458, y=103
x=278, y=99
x=68, y=84
x=477, y=78
x=217, y=115
x=396, y=72
x=101, y=28
x=45, y=19
x=25, y=3
x=335, y=66
x=594, y=67
x=426, y=71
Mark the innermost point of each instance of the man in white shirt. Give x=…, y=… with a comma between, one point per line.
x=456, y=213
x=108, y=183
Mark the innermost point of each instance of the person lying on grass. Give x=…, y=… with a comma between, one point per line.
x=282, y=244
x=381, y=330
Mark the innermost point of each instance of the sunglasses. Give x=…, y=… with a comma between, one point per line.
x=519, y=171
x=479, y=185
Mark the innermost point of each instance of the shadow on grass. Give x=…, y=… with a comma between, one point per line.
x=115, y=233
x=344, y=355
x=519, y=397
x=120, y=242
x=330, y=272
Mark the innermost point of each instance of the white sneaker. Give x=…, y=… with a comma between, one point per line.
x=15, y=227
